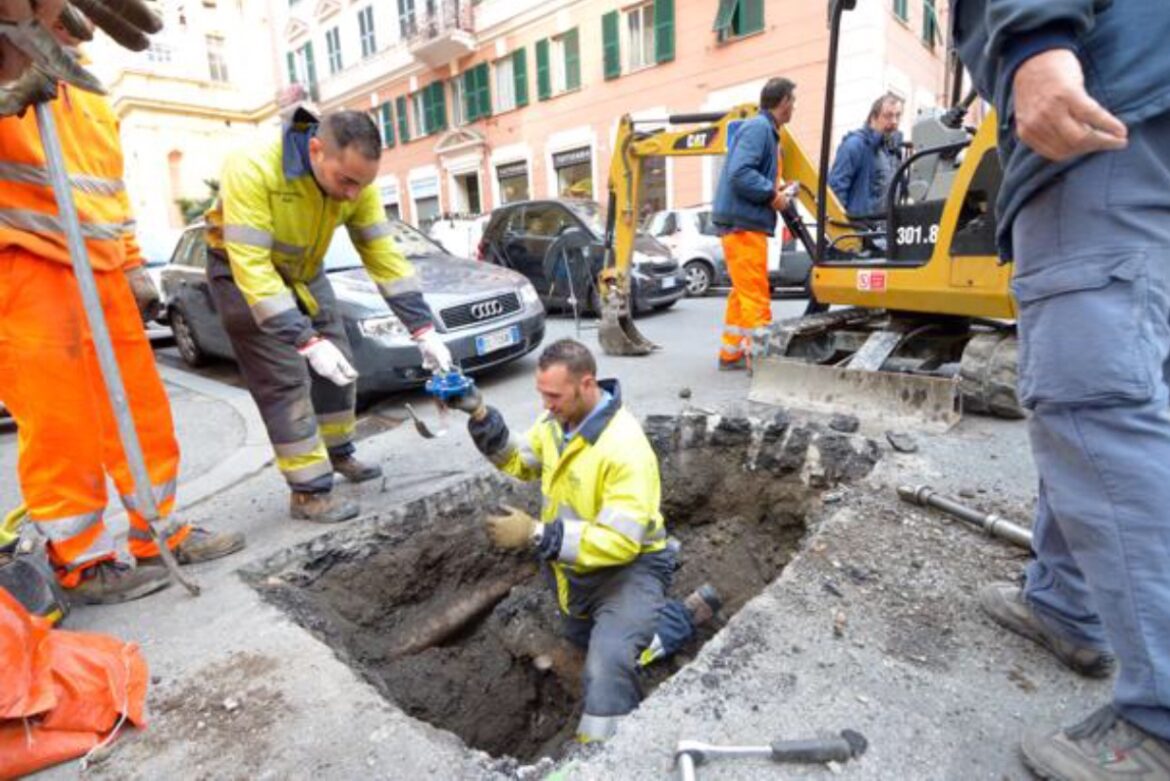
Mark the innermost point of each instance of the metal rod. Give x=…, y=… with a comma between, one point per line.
x=992, y=524
x=91, y=303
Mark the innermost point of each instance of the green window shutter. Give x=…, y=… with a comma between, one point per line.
x=292, y=68
x=520, y=76
x=663, y=30
x=470, y=99
x=311, y=74
x=751, y=16
x=572, y=42
x=543, y=77
x=902, y=10
x=387, y=125
x=929, y=23
x=723, y=17
x=439, y=99
x=485, y=94
x=403, y=120
x=611, y=49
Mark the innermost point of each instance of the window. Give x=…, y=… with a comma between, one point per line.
x=546, y=221
x=333, y=47
x=159, y=51
x=457, y=105
x=429, y=109
x=301, y=68
x=216, y=63
x=739, y=17
x=929, y=23
x=477, y=99
x=902, y=9
x=407, y=21
x=566, y=62
x=640, y=37
x=366, y=31
x=505, y=85
x=386, y=123
x=417, y=114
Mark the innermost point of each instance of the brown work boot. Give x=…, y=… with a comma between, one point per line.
x=703, y=603
x=355, y=471
x=738, y=365
x=1103, y=747
x=200, y=545
x=1004, y=602
x=110, y=582
x=322, y=507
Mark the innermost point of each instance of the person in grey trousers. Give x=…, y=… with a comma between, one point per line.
x=1082, y=90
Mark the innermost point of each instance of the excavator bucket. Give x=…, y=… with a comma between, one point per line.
x=617, y=333
x=889, y=399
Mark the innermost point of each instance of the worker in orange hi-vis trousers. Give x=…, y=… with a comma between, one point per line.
x=49, y=374
x=746, y=201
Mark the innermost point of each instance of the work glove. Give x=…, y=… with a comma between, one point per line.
x=512, y=528
x=328, y=361
x=435, y=354
x=145, y=293
x=470, y=402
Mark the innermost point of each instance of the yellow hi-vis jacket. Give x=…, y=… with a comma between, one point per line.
x=601, y=489
x=275, y=225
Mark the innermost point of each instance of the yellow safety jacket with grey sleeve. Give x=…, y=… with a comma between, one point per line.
x=600, y=489
x=275, y=224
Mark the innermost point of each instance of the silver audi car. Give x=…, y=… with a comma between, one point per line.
x=487, y=315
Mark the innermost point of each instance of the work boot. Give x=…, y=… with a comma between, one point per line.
x=200, y=545
x=325, y=507
x=703, y=603
x=110, y=582
x=1103, y=747
x=738, y=365
x=354, y=470
x=1004, y=602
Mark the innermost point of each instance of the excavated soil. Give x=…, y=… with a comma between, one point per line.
x=465, y=637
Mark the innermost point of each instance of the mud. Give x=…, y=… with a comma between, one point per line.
x=412, y=599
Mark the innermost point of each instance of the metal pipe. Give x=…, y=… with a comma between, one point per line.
x=993, y=525
x=91, y=303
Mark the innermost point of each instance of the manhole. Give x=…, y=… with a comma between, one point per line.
x=465, y=637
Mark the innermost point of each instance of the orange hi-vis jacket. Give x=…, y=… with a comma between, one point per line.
x=29, y=219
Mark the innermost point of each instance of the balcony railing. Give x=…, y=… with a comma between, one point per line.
x=438, y=36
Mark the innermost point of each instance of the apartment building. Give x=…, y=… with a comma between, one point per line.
x=207, y=83
x=482, y=103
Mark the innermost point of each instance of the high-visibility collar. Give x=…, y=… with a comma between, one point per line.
x=596, y=421
x=295, y=144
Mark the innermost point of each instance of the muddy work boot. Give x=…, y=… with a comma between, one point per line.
x=354, y=470
x=322, y=507
x=703, y=603
x=1103, y=747
x=110, y=582
x=738, y=365
x=1004, y=602
x=200, y=545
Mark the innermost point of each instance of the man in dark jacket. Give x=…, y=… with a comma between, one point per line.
x=746, y=201
x=867, y=159
x=1084, y=212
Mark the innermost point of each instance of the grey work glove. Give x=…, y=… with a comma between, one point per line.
x=470, y=402
x=145, y=293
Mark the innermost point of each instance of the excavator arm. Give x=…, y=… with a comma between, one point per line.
x=617, y=333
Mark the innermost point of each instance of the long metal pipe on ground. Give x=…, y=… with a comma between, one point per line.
x=993, y=525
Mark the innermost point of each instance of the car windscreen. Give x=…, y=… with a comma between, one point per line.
x=342, y=255
x=591, y=213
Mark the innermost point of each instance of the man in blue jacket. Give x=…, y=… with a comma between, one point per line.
x=867, y=158
x=1084, y=212
x=746, y=201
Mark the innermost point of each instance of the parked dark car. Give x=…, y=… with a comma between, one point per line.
x=487, y=315
x=559, y=246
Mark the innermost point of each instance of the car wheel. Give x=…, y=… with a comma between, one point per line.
x=189, y=349
x=699, y=277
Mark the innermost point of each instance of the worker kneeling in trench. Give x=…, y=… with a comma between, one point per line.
x=601, y=532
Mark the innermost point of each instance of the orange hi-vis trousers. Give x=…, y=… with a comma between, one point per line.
x=67, y=435
x=749, y=304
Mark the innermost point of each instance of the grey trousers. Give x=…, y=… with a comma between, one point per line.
x=1092, y=279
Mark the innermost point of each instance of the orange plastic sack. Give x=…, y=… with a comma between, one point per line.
x=63, y=691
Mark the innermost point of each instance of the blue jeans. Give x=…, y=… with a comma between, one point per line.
x=1092, y=279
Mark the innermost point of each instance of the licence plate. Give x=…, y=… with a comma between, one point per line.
x=668, y=283
x=489, y=343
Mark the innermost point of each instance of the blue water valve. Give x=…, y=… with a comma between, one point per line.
x=449, y=385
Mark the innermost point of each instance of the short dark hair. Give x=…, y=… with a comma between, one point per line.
x=876, y=109
x=775, y=92
x=343, y=129
x=571, y=354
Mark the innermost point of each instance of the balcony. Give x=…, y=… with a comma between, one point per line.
x=442, y=33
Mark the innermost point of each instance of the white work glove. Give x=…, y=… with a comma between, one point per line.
x=328, y=361
x=435, y=354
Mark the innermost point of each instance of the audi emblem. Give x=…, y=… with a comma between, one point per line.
x=485, y=309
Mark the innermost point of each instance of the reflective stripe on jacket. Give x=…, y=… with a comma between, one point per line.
x=601, y=490
x=276, y=224
x=29, y=217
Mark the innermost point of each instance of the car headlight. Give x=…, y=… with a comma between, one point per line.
x=384, y=327
x=528, y=295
